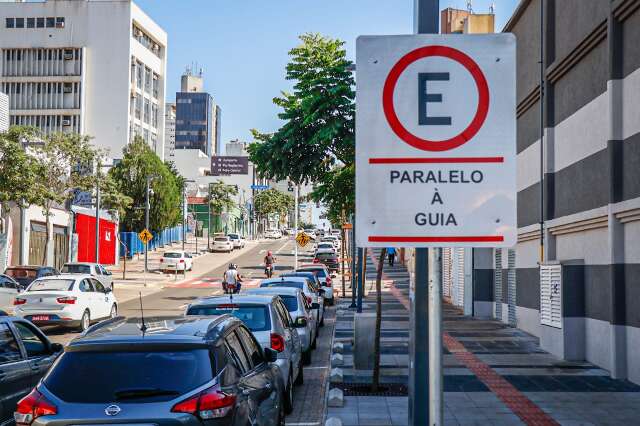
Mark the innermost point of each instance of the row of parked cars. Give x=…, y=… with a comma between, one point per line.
x=229, y=360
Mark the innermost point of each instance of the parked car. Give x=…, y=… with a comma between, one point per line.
x=66, y=300
x=324, y=276
x=96, y=270
x=298, y=307
x=25, y=275
x=269, y=321
x=325, y=246
x=308, y=287
x=9, y=289
x=222, y=243
x=176, y=260
x=333, y=240
x=237, y=240
x=174, y=371
x=273, y=234
x=25, y=356
x=330, y=260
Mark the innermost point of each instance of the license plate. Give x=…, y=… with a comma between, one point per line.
x=40, y=318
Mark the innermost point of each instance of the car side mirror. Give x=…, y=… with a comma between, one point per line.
x=109, y=273
x=300, y=322
x=270, y=355
x=315, y=305
x=108, y=290
x=56, y=347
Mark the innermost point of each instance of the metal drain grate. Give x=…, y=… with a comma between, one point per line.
x=364, y=389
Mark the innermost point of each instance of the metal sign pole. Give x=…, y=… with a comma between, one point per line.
x=426, y=14
x=361, y=272
x=295, y=226
x=353, y=263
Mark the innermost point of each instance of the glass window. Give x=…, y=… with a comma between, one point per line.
x=235, y=347
x=9, y=349
x=133, y=71
x=98, y=286
x=60, y=22
x=251, y=346
x=154, y=115
x=146, y=135
x=291, y=284
x=32, y=342
x=139, y=74
x=40, y=22
x=291, y=302
x=31, y=22
x=76, y=269
x=147, y=108
x=19, y=22
x=129, y=376
x=147, y=79
x=156, y=85
x=10, y=23
x=85, y=286
x=256, y=317
x=51, y=22
x=138, y=107
x=284, y=314
x=51, y=285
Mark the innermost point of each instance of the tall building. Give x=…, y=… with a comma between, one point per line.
x=197, y=116
x=169, y=131
x=457, y=21
x=4, y=112
x=95, y=67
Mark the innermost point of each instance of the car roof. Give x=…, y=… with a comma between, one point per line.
x=237, y=299
x=168, y=330
x=289, y=291
x=311, y=266
x=35, y=267
x=282, y=279
x=65, y=277
x=80, y=263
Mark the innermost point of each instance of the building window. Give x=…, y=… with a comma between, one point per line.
x=139, y=75
x=146, y=136
x=31, y=22
x=156, y=85
x=59, y=22
x=138, y=106
x=40, y=22
x=154, y=115
x=138, y=130
x=10, y=23
x=146, y=111
x=147, y=79
x=133, y=71
x=51, y=22
x=19, y=22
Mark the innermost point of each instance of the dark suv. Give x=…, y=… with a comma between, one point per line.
x=25, y=356
x=166, y=371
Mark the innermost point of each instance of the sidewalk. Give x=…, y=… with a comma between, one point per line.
x=494, y=374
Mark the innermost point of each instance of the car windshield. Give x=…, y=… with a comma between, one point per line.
x=234, y=236
x=256, y=317
x=76, y=269
x=51, y=285
x=21, y=273
x=325, y=245
x=172, y=255
x=291, y=302
x=326, y=256
x=320, y=272
x=291, y=284
x=128, y=376
x=222, y=239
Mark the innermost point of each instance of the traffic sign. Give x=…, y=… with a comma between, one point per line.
x=259, y=187
x=436, y=141
x=145, y=236
x=302, y=239
x=346, y=226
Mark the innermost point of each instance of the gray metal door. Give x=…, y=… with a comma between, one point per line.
x=511, y=279
x=497, y=283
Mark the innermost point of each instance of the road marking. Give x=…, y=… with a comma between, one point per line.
x=283, y=246
x=262, y=251
x=316, y=368
x=302, y=424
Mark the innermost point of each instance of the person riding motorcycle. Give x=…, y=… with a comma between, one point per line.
x=269, y=261
x=232, y=280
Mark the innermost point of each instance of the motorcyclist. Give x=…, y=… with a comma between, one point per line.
x=232, y=279
x=269, y=262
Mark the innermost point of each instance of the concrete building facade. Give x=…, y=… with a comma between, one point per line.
x=169, y=131
x=95, y=67
x=4, y=112
x=457, y=21
x=578, y=186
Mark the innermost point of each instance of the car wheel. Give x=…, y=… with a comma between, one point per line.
x=288, y=395
x=114, y=311
x=306, y=357
x=300, y=378
x=85, y=321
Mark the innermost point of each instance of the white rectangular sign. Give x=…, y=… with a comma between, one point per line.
x=436, y=141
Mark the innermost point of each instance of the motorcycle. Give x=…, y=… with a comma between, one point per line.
x=231, y=288
x=268, y=271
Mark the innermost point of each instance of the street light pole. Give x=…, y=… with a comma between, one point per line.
x=98, y=214
x=295, y=225
x=146, y=224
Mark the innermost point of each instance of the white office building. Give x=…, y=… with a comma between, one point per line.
x=169, y=131
x=4, y=112
x=95, y=67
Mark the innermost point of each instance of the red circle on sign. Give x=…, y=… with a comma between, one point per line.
x=426, y=144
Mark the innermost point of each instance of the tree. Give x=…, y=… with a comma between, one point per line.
x=63, y=165
x=273, y=201
x=376, y=341
x=220, y=198
x=17, y=168
x=130, y=175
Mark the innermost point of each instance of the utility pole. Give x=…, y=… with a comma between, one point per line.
x=354, y=274
x=295, y=225
x=146, y=224
x=426, y=14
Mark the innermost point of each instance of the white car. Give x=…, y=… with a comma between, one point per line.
x=66, y=300
x=94, y=269
x=178, y=260
x=9, y=289
x=237, y=240
x=314, y=296
x=325, y=246
x=222, y=244
x=325, y=278
x=273, y=234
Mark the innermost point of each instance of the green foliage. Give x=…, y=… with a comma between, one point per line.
x=273, y=201
x=317, y=140
x=17, y=168
x=130, y=177
x=221, y=197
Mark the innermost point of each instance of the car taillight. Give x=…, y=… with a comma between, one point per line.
x=309, y=300
x=181, y=260
x=33, y=406
x=211, y=403
x=69, y=300
x=328, y=282
x=161, y=260
x=277, y=342
x=18, y=301
x=316, y=260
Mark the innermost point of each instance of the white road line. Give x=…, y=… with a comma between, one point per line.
x=283, y=246
x=302, y=424
x=262, y=251
x=316, y=368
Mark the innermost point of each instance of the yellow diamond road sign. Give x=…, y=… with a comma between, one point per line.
x=145, y=236
x=302, y=239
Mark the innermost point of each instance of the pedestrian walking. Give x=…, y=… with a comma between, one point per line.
x=391, y=254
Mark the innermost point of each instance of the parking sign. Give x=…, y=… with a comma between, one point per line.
x=436, y=141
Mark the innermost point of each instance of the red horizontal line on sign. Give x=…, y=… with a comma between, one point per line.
x=441, y=160
x=437, y=239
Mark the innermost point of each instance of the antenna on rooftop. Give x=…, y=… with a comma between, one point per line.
x=470, y=6
x=492, y=8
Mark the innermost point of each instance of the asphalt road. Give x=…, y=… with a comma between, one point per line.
x=173, y=300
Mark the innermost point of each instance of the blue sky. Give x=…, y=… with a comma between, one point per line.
x=242, y=45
